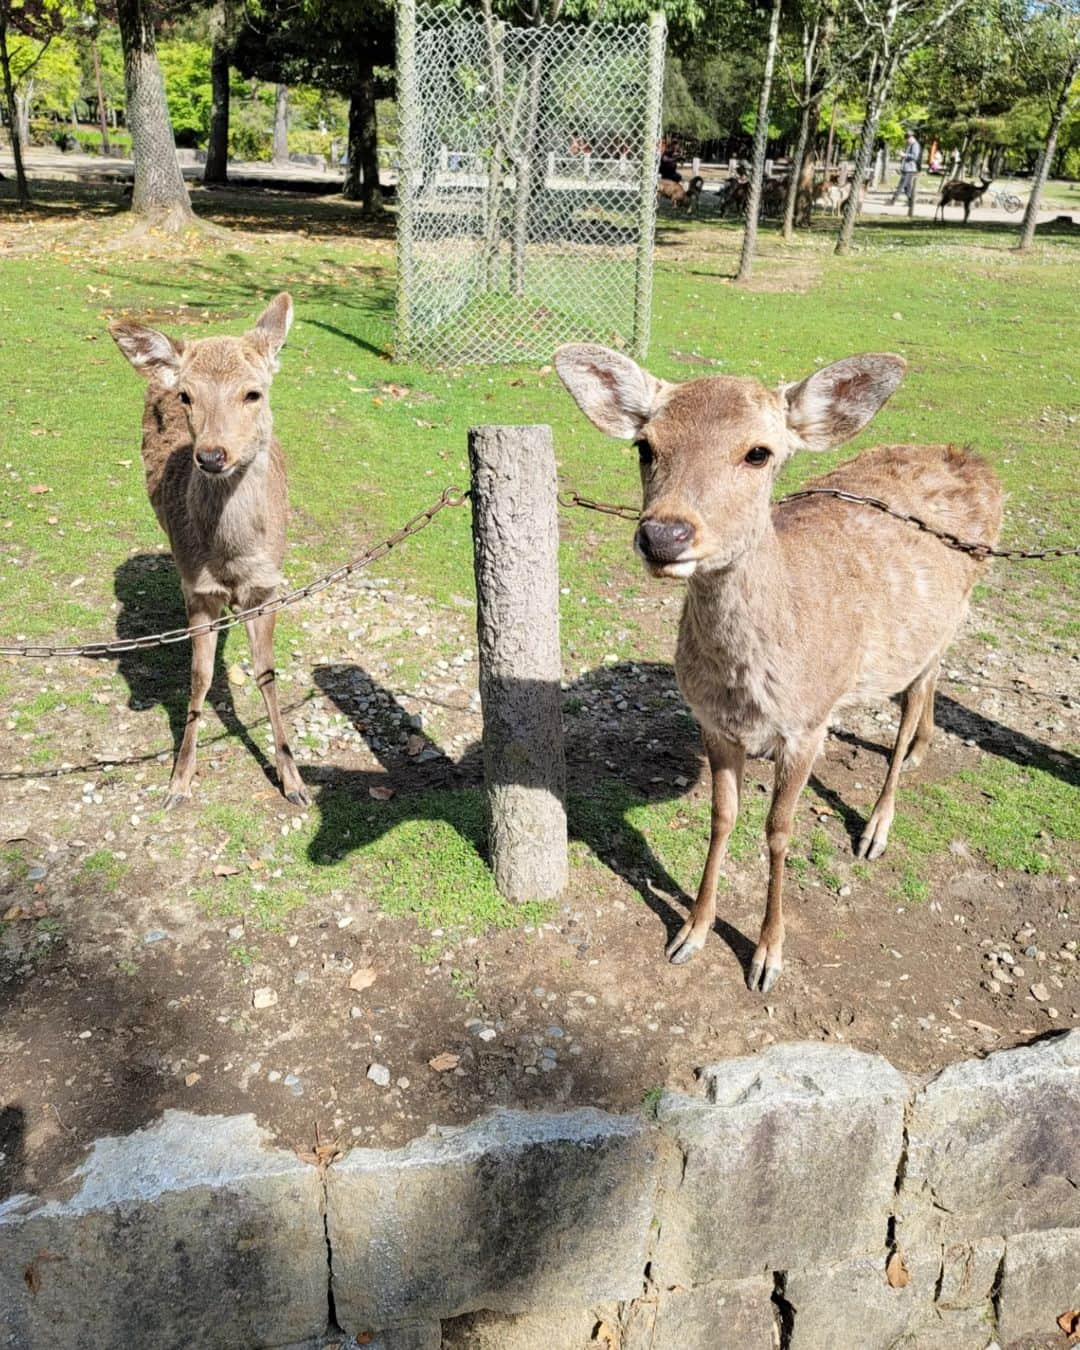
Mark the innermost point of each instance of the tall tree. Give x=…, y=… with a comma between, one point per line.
x=26, y=30
x=222, y=37
x=281, y=124
x=160, y=196
x=761, y=138
x=899, y=28
x=333, y=44
x=1050, y=47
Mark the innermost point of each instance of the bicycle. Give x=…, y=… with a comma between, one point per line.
x=1008, y=201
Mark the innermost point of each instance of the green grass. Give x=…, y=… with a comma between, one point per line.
x=1011, y=815
x=102, y=868
x=980, y=326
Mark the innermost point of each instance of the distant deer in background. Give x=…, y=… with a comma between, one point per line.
x=216, y=479
x=964, y=194
x=793, y=610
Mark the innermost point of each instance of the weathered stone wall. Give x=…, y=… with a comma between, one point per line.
x=764, y=1212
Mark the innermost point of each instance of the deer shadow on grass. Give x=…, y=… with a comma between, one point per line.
x=634, y=746
x=148, y=588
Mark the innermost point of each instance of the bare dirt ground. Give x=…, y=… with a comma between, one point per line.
x=124, y=993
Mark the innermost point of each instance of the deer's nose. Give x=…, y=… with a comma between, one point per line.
x=210, y=461
x=664, y=541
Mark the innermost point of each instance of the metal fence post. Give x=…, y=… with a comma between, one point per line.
x=408, y=171
x=650, y=153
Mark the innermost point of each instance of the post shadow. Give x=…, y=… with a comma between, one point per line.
x=429, y=785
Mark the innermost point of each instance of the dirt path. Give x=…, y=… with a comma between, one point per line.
x=137, y=970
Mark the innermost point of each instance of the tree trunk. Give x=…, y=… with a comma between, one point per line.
x=795, y=181
x=22, y=187
x=515, y=552
x=22, y=116
x=867, y=137
x=1031, y=215
x=761, y=138
x=217, y=143
x=362, y=174
x=831, y=140
x=160, y=194
x=281, y=124
x=103, y=115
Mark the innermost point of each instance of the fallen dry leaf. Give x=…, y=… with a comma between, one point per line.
x=13, y=912
x=896, y=1271
x=192, y=1079
x=441, y=1063
x=237, y=676
x=381, y=794
x=38, y=488
x=1069, y=1322
x=362, y=979
x=226, y=870
x=604, y=1334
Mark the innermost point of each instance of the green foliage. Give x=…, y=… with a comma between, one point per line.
x=186, y=68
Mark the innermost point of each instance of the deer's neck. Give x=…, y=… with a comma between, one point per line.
x=730, y=659
x=232, y=511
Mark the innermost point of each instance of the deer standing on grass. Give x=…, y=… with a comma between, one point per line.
x=216, y=479
x=797, y=609
x=964, y=194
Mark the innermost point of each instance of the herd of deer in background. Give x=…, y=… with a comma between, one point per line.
x=829, y=194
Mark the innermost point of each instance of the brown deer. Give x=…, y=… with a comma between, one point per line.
x=216, y=479
x=797, y=609
x=681, y=198
x=964, y=194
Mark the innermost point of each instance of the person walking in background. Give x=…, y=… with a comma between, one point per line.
x=909, y=167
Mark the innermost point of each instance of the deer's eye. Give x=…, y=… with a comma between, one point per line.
x=758, y=456
x=252, y=396
x=185, y=398
x=645, y=452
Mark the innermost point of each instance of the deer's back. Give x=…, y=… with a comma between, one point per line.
x=892, y=595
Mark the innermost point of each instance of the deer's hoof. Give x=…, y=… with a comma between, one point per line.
x=175, y=799
x=765, y=970
x=299, y=797
x=874, y=837
x=684, y=946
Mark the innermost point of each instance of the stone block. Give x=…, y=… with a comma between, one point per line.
x=994, y=1147
x=723, y=1315
x=510, y=1213
x=790, y=1162
x=191, y=1233
x=555, y=1327
x=1040, y=1280
x=969, y=1272
x=853, y=1304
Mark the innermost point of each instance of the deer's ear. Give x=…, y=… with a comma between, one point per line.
x=830, y=406
x=153, y=354
x=272, y=327
x=613, y=392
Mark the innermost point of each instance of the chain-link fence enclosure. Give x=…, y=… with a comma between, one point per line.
x=526, y=185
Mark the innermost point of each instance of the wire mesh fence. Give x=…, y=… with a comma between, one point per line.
x=526, y=185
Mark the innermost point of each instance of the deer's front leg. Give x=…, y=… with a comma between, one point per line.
x=203, y=647
x=793, y=765
x=261, y=636
x=726, y=761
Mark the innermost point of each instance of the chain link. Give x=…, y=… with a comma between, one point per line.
x=977, y=550
x=451, y=496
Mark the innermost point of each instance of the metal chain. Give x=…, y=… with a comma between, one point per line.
x=977, y=550
x=451, y=496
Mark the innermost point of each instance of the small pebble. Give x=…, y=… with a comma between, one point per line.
x=294, y=1085
x=264, y=998
x=274, y=1076
x=1040, y=993
x=36, y=873
x=155, y=935
x=379, y=1075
